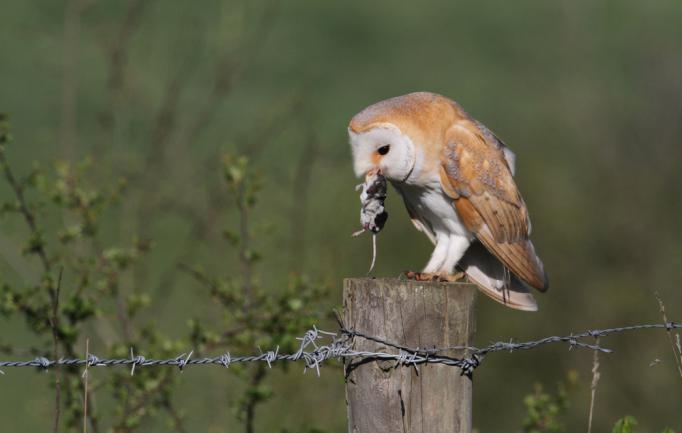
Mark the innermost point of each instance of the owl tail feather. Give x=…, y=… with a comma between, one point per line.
x=495, y=280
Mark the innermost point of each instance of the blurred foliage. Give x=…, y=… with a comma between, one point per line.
x=95, y=290
x=627, y=424
x=586, y=93
x=544, y=410
x=252, y=315
x=99, y=292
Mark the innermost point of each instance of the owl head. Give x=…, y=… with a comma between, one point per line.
x=382, y=147
x=399, y=136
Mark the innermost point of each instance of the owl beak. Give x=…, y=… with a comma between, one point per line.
x=373, y=172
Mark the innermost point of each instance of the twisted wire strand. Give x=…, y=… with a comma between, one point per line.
x=341, y=346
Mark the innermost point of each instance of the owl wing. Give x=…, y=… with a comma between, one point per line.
x=475, y=172
x=495, y=280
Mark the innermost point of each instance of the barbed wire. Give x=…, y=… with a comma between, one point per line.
x=341, y=347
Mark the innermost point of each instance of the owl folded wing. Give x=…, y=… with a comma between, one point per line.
x=475, y=173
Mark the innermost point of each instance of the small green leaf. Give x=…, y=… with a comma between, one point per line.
x=295, y=304
x=625, y=425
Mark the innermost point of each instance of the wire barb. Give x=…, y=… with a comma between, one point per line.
x=341, y=346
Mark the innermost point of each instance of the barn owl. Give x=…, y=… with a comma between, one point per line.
x=456, y=179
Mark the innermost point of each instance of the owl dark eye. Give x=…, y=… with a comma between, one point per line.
x=383, y=150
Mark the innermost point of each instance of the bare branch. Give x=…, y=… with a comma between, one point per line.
x=85, y=387
x=593, y=386
x=24, y=210
x=227, y=71
x=301, y=192
x=54, y=324
x=252, y=399
x=72, y=24
x=118, y=51
x=676, y=352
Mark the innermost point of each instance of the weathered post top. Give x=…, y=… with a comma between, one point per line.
x=383, y=397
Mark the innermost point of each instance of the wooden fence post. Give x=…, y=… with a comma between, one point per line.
x=383, y=398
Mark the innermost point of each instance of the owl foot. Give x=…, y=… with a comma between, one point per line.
x=439, y=277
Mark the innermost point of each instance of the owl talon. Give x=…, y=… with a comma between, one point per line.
x=451, y=278
x=439, y=277
x=411, y=275
x=421, y=276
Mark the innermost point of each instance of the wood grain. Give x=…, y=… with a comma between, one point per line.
x=384, y=398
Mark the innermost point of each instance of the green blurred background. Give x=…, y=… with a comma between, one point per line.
x=588, y=94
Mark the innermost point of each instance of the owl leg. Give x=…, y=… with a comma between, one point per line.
x=439, y=255
x=456, y=249
x=432, y=270
x=449, y=250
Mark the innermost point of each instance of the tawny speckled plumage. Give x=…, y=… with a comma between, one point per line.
x=456, y=178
